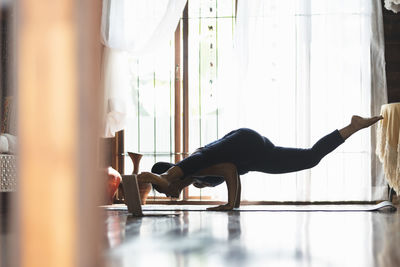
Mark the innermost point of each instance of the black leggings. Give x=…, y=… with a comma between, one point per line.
x=249, y=151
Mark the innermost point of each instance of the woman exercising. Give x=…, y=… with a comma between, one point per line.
x=239, y=152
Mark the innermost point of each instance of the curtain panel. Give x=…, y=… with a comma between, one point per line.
x=136, y=27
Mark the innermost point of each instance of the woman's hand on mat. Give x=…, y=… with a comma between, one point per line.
x=225, y=207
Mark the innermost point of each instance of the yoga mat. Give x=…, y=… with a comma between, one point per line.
x=257, y=208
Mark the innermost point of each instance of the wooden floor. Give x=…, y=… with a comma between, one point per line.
x=200, y=238
x=247, y=238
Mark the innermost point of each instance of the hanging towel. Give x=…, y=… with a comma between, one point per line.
x=393, y=5
x=388, y=144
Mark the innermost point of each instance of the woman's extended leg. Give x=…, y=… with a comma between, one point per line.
x=283, y=160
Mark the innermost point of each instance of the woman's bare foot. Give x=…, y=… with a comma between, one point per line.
x=167, y=183
x=162, y=185
x=358, y=123
x=158, y=182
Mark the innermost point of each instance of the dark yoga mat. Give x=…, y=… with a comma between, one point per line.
x=284, y=208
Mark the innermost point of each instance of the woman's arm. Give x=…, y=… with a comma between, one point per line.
x=229, y=172
x=239, y=193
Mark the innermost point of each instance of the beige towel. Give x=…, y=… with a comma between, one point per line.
x=388, y=147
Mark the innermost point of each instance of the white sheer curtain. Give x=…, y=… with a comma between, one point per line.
x=299, y=70
x=136, y=27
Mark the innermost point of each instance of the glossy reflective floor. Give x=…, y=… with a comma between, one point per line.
x=200, y=238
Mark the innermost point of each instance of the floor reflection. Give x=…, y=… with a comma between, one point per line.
x=115, y=227
x=386, y=241
x=255, y=239
x=8, y=239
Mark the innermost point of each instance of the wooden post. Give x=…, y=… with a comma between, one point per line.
x=59, y=93
x=120, y=151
